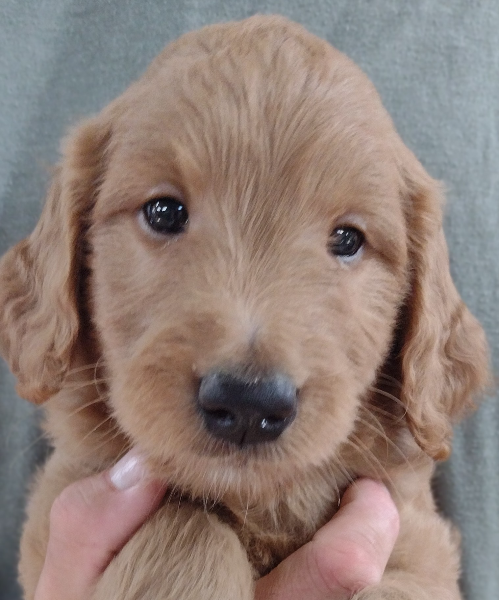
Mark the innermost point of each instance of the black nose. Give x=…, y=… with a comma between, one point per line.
x=245, y=410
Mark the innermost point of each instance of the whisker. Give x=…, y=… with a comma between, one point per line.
x=82, y=407
x=344, y=470
x=336, y=486
x=391, y=379
x=367, y=454
x=380, y=431
x=363, y=452
x=109, y=436
x=87, y=367
x=64, y=418
x=19, y=455
x=388, y=395
x=245, y=514
x=81, y=369
x=94, y=429
x=395, y=419
x=73, y=387
x=370, y=457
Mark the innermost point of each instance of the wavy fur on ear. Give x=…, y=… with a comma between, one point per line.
x=444, y=355
x=39, y=314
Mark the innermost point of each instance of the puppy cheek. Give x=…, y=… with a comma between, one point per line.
x=326, y=419
x=155, y=406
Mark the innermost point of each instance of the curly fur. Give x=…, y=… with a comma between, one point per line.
x=273, y=138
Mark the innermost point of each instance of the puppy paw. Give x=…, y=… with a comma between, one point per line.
x=406, y=588
x=181, y=553
x=385, y=594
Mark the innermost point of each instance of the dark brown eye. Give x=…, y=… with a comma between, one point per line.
x=346, y=241
x=166, y=215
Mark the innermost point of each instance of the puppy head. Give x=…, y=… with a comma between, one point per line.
x=250, y=216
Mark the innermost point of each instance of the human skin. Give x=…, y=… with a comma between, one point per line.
x=93, y=518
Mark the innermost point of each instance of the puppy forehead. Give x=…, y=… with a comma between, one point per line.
x=284, y=116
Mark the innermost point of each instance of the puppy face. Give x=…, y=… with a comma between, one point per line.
x=250, y=217
x=272, y=183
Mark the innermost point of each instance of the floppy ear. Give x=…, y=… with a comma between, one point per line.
x=39, y=312
x=444, y=352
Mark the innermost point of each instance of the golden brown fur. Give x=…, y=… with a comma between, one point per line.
x=273, y=138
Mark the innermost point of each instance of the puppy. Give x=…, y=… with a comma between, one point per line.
x=240, y=269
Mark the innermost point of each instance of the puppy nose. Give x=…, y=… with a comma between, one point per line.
x=245, y=410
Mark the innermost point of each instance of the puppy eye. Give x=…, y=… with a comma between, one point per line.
x=166, y=215
x=346, y=241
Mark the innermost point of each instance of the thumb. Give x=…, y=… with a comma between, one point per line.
x=90, y=521
x=346, y=555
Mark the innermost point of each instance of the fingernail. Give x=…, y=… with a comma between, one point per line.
x=128, y=471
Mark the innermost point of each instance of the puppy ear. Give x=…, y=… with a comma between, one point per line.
x=444, y=352
x=39, y=313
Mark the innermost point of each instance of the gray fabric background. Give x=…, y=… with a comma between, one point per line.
x=435, y=65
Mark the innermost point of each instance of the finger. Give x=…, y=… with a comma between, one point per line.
x=346, y=555
x=90, y=522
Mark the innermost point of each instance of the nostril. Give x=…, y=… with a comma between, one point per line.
x=270, y=425
x=271, y=422
x=267, y=428
x=223, y=417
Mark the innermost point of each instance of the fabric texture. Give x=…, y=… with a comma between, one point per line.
x=435, y=66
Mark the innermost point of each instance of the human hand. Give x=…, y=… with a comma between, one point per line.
x=93, y=518
x=346, y=555
x=90, y=521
